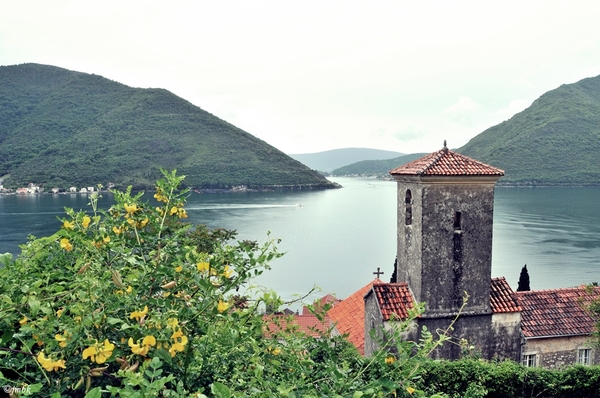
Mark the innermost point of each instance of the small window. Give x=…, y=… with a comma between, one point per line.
x=529, y=360
x=408, y=207
x=584, y=356
x=457, y=217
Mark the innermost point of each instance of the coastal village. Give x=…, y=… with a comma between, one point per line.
x=444, y=244
x=32, y=188
x=445, y=219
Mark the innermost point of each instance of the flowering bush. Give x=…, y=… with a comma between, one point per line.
x=133, y=301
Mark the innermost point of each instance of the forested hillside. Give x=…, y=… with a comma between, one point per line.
x=62, y=128
x=554, y=142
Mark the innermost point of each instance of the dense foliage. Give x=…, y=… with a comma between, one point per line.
x=475, y=378
x=134, y=302
x=63, y=128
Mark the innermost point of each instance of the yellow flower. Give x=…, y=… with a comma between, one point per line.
x=49, y=364
x=117, y=230
x=180, y=340
x=99, y=353
x=65, y=244
x=86, y=221
x=139, y=314
x=59, y=312
x=130, y=208
x=106, y=239
x=143, y=223
x=142, y=349
x=172, y=323
x=410, y=390
x=129, y=289
x=68, y=225
x=131, y=222
x=174, y=210
x=62, y=339
x=203, y=266
x=227, y=272
x=179, y=268
x=182, y=214
x=390, y=360
x=23, y=321
x=222, y=306
x=274, y=351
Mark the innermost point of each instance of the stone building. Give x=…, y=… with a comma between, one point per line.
x=444, y=254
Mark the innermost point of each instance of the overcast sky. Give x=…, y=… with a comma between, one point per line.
x=309, y=76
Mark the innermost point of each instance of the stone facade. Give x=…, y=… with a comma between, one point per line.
x=556, y=352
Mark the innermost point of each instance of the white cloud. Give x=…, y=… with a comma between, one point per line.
x=462, y=106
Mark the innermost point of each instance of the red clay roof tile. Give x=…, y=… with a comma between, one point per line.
x=446, y=163
x=348, y=316
x=502, y=297
x=394, y=299
x=557, y=312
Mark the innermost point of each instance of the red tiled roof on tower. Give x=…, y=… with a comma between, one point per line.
x=446, y=163
x=394, y=299
x=502, y=297
x=557, y=312
x=348, y=316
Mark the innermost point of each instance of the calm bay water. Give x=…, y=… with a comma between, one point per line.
x=336, y=239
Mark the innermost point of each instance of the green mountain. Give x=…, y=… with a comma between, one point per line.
x=375, y=167
x=336, y=158
x=62, y=128
x=556, y=141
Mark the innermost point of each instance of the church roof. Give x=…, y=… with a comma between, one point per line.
x=348, y=316
x=502, y=297
x=557, y=312
x=446, y=163
x=394, y=299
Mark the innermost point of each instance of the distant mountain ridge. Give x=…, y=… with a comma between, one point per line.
x=329, y=160
x=62, y=128
x=554, y=142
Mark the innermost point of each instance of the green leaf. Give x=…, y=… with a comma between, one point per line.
x=220, y=390
x=34, y=305
x=114, y=321
x=164, y=355
x=5, y=259
x=94, y=393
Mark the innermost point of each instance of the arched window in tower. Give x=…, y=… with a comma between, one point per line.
x=408, y=205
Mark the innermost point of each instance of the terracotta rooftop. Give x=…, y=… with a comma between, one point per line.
x=393, y=298
x=348, y=316
x=446, y=163
x=502, y=297
x=307, y=324
x=557, y=312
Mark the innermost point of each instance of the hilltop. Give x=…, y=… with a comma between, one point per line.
x=62, y=128
x=553, y=142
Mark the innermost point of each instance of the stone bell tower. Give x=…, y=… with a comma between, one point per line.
x=445, y=221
